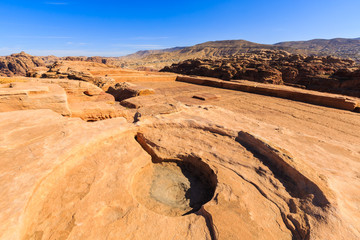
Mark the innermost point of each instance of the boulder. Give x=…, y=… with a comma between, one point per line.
x=206, y=96
x=124, y=90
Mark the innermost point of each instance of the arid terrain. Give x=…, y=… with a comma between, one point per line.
x=90, y=150
x=158, y=59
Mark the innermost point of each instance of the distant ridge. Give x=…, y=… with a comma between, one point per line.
x=158, y=59
x=144, y=53
x=339, y=47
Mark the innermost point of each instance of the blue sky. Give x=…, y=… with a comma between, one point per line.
x=115, y=28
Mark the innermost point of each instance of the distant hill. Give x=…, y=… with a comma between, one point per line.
x=207, y=49
x=149, y=52
x=160, y=58
x=157, y=59
x=340, y=47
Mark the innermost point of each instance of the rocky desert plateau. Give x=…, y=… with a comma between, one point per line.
x=179, y=120
x=256, y=144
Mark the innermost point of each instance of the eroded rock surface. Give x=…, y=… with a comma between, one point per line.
x=19, y=64
x=124, y=90
x=30, y=95
x=329, y=74
x=67, y=97
x=287, y=92
x=243, y=166
x=72, y=70
x=201, y=175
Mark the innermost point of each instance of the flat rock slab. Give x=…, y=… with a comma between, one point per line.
x=96, y=111
x=33, y=95
x=307, y=96
x=206, y=96
x=86, y=100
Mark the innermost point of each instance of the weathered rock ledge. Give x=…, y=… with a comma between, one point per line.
x=307, y=96
x=67, y=97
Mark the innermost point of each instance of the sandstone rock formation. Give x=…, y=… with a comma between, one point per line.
x=100, y=74
x=72, y=70
x=327, y=74
x=88, y=101
x=67, y=97
x=19, y=64
x=126, y=90
x=313, y=97
x=239, y=166
x=28, y=95
x=227, y=177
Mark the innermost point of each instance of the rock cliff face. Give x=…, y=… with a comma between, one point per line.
x=329, y=74
x=19, y=64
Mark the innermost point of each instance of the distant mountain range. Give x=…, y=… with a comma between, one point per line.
x=339, y=47
x=157, y=59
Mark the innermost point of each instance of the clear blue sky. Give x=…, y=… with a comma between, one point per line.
x=114, y=28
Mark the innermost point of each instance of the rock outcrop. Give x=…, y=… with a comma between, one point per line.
x=70, y=70
x=122, y=91
x=19, y=64
x=328, y=74
x=312, y=97
x=67, y=97
x=88, y=101
x=30, y=95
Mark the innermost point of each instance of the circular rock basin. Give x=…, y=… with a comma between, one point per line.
x=174, y=188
